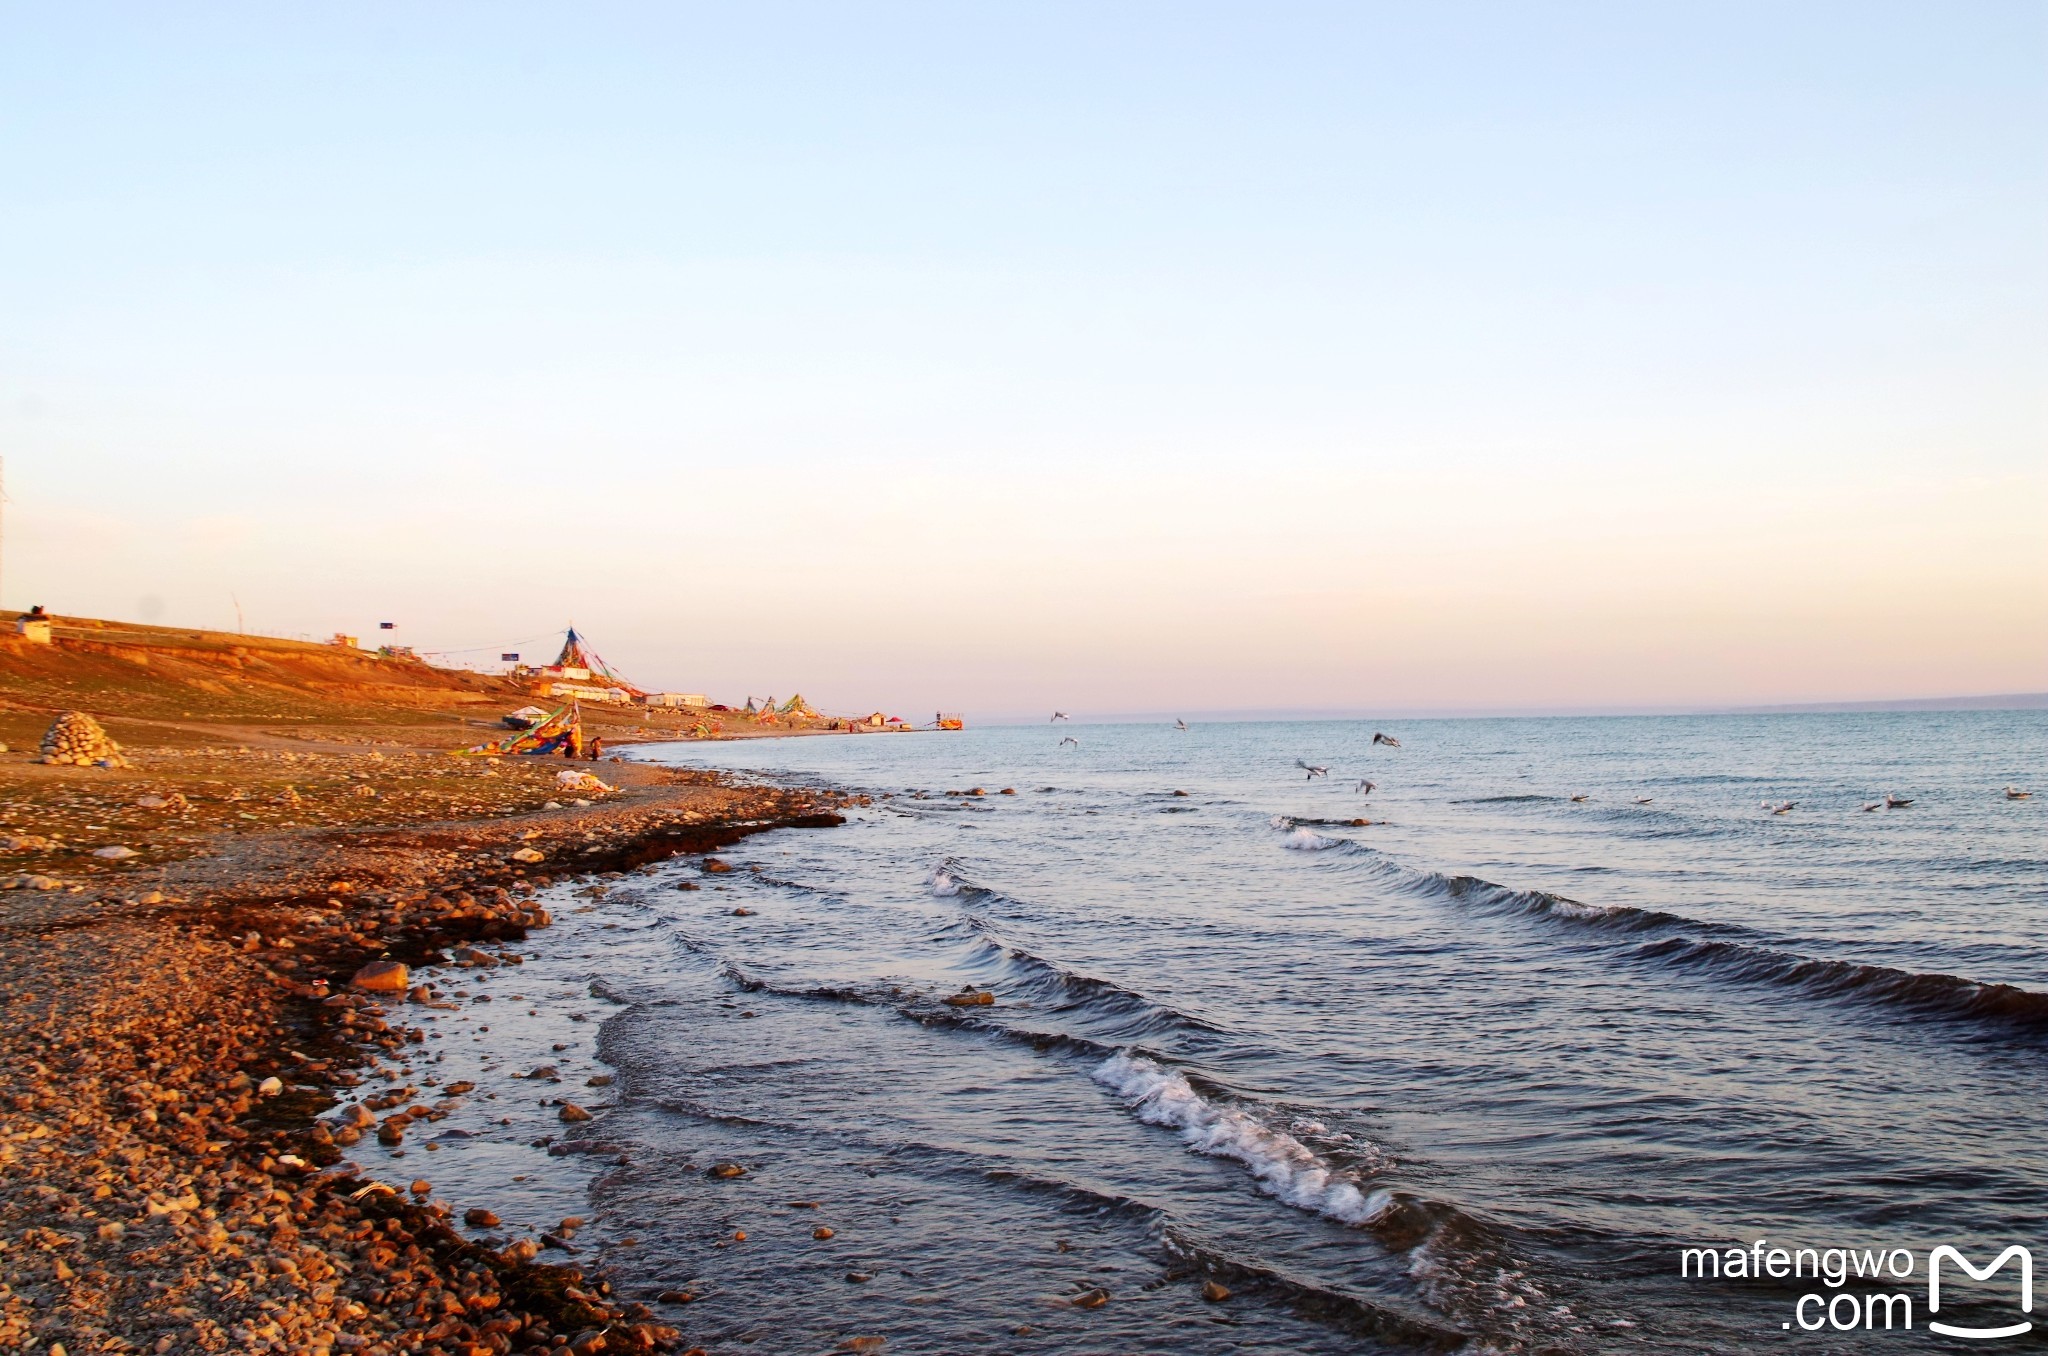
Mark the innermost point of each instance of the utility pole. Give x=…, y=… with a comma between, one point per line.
x=3, y=498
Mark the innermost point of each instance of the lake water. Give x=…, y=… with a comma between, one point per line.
x=1470, y=1075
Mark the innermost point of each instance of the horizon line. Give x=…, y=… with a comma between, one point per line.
x=2000, y=701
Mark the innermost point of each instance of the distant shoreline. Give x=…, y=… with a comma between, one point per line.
x=2009, y=701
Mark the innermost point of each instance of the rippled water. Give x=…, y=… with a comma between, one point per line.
x=1471, y=1074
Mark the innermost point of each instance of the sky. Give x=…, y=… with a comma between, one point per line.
x=1002, y=357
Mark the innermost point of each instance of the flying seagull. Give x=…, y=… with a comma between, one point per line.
x=1576, y=799
x=1874, y=805
x=2014, y=793
x=1070, y=740
x=1058, y=715
x=1313, y=771
x=1644, y=800
x=1892, y=802
x=1386, y=739
x=1366, y=788
x=1179, y=724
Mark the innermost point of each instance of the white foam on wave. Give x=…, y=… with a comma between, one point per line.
x=943, y=883
x=1571, y=908
x=1282, y=1164
x=1305, y=839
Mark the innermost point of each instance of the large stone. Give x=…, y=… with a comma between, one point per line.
x=383, y=976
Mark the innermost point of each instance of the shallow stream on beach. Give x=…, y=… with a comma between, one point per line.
x=1476, y=1070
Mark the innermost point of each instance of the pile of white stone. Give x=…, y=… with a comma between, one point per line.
x=76, y=739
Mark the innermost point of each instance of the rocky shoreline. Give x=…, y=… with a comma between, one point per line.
x=174, y=1170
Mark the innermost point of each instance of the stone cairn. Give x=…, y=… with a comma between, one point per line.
x=76, y=739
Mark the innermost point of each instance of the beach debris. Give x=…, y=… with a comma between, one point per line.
x=115, y=853
x=970, y=997
x=382, y=976
x=76, y=740
x=1214, y=1293
x=569, y=779
x=725, y=1171
x=572, y=1113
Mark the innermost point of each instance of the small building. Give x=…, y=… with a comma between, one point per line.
x=34, y=630
x=346, y=642
x=677, y=699
x=585, y=693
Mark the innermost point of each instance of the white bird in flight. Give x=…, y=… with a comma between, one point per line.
x=1070, y=740
x=1386, y=739
x=1366, y=788
x=1179, y=724
x=1058, y=715
x=1312, y=770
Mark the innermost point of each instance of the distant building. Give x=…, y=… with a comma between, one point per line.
x=677, y=699
x=586, y=693
x=34, y=630
x=344, y=641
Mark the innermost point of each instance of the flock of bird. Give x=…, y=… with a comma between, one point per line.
x=1366, y=786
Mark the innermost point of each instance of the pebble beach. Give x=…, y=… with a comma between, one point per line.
x=204, y=1035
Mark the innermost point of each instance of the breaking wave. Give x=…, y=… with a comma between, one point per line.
x=1283, y=1166
x=1732, y=951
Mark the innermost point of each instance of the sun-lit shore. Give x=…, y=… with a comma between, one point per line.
x=178, y=944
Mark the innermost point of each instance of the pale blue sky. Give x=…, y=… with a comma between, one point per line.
x=1119, y=355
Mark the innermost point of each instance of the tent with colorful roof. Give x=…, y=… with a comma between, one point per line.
x=561, y=730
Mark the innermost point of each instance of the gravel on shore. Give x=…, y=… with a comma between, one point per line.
x=167, y=1182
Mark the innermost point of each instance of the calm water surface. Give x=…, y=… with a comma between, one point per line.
x=1467, y=1076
